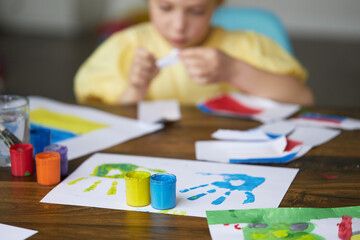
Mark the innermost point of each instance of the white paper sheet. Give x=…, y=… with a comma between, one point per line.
x=255, y=134
x=312, y=137
x=278, y=128
x=201, y=186
x=222, y=151
x=15, y=233
x=119, y=129
x=159, y=111
x=168, y=60
x=262, y=109
x=321, y=120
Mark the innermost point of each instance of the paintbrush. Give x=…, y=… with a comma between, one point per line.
x=8, y=137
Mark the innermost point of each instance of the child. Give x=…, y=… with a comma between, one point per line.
x=213, y=61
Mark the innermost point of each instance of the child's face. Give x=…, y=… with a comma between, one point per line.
x=183, y=23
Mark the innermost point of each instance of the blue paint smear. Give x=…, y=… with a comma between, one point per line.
x=56, y=134
x=283, y=159
x=193, y=188
x=197, y=196
x=219, y=201
x=250, y=198
x=321, y=116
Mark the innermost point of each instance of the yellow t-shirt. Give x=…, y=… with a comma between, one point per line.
x=104, y=75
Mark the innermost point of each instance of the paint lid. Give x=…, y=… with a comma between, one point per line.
x=137, y=176
x=163, y=178
x=47, y=158
x=62, y=150
x=22, y=150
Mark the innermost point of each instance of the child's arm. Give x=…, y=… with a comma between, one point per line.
x=142, y=71
x=207, y=65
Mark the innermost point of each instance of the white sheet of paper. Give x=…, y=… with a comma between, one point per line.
x=346, y=124
x=222, y=151
x=278, y=128
x=255, y=134
x=201, y=185
x=119, y=130
x=312, y=136
x=159, y=111
x=273, y=111
x=168, y=60
x=9, y=232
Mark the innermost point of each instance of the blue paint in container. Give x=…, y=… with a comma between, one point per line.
x=39, y=138
x=163, y=191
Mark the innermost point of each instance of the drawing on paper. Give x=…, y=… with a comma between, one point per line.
x=232, y=182
x=62, y=126
x=99, y=182
x=113, y=171
x=286, y=223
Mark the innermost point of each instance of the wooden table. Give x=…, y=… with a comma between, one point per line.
x=329, y=176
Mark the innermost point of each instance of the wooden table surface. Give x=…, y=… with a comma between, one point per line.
x=329, y=176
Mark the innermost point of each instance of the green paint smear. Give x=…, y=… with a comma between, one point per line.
x=270, y=215
x=176, y=212
x=92, y=187
x=112, y=190
x=280, y=230
x=104, y=169
x=27, y=174
x=75, y=181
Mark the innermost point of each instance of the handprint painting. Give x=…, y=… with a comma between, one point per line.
x=99, y=182
x=286, y=223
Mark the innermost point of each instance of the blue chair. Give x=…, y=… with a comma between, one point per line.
x=256, y=19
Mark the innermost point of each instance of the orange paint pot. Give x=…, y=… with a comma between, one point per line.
x=48, y=168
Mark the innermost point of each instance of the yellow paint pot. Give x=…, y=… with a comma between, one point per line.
x=137, y=188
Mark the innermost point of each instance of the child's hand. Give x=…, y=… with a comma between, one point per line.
x=143, y=69
x=207, y=65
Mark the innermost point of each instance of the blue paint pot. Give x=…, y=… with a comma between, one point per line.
x=163, y=191
x=39, y=138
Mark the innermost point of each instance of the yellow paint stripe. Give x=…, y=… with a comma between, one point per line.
x=65, y=122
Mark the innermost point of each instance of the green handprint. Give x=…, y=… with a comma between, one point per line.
x=105, y=170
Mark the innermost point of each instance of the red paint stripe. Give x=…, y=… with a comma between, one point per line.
x=227, y=103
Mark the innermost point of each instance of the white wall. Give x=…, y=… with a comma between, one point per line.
x=303, y=18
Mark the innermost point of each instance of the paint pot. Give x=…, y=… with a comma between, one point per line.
x=163, y=191
x=137, y=188
x=62, y=150
x=48, y=168
x=22, y=161
x=39, y=138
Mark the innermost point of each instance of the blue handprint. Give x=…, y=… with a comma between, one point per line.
x=248, y=185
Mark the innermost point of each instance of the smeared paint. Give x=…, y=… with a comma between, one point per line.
x=176, y=212
x=273, y=231
x=299, y=226
x=112, y=190
x=237, y=226
x=92, y=187
x=248, y=185
x=328, y=176
x=226, y=103
x=77, y=180
x=104, y=171
x=345, y=228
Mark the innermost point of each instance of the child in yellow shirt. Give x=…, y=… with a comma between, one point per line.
x=213, y=61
